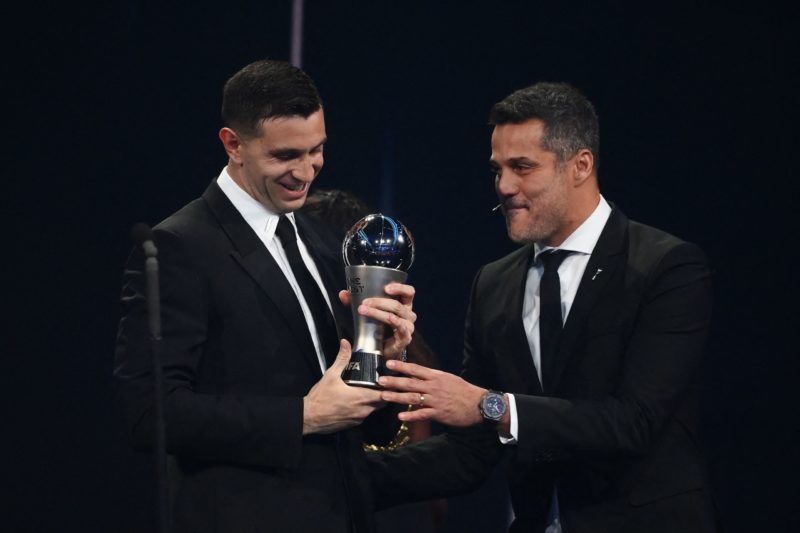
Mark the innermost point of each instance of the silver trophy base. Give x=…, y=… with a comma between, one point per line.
x=364, y=369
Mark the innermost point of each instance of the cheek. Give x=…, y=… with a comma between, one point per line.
x=543, y=188
x=534, y=190
x=272, y=170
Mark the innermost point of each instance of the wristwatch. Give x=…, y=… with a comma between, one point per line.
x=493, y=406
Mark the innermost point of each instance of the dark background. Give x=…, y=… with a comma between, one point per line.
x=112, y=116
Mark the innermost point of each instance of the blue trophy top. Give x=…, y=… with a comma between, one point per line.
x=379, y=240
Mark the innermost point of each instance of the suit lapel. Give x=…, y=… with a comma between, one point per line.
x=250, y=252
x=514, y=339
x=607, y=258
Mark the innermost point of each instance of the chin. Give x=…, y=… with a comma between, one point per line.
x=517, y=232
x=527, y=235
x=292, y=205
x=517, y=236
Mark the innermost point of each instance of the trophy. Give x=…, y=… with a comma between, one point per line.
x=377, y=250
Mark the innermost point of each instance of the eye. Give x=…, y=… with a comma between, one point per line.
x=286, y=155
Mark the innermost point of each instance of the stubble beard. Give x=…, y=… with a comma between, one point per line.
x=540, y=229
x=546, y=216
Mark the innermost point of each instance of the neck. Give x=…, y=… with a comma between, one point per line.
x=581, y=209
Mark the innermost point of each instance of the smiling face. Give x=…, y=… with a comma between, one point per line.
x=543, y=201
x=278, y=167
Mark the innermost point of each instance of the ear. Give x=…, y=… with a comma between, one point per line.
x=232, y=143
x=583, y=164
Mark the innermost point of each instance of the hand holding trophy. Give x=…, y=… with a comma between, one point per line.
x=377, y=250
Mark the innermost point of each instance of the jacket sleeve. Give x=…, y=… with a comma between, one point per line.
x=444, y=465
x=235, y=428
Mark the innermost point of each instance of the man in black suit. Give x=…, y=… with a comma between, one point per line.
x=260, y=428
x=597, y=406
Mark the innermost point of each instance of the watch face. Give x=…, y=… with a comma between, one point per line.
x=494, y=406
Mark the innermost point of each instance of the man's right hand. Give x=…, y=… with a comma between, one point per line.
x=332, y=405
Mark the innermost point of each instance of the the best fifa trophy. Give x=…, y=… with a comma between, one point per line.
x=377, y=250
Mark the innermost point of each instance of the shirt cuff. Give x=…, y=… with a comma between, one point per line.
x=513, y=429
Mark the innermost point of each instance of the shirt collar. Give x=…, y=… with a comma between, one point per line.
x=585, y=237
x=260, y=218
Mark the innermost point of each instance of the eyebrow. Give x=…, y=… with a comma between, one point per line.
x=522, y=159
x=294, y=152
x=514, y=161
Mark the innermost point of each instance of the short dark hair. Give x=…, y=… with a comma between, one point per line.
x=266, y=89
x=570, y=121
x=336, y=208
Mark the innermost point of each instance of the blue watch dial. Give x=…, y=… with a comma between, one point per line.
x=493, y=406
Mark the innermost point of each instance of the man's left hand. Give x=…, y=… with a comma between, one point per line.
x=437, y=395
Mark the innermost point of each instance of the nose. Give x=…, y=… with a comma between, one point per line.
x=304, y=170
x=505, y=185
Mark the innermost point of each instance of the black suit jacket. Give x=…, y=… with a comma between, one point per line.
x=616, y=431
x=238, y=359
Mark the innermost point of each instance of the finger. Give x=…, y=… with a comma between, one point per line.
x=411, y=369
x=394, y=346
x=406, y=398
x=401, y=335
x=344, y=297
x=417, y=415
x=367, y=396
x=405, y=293
x=392, y=306
x=378, y=403
x=403, y=384
x=345, y=351
x=387, y=314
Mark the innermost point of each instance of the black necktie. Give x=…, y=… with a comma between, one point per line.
x=550, y=319
x=323, y=320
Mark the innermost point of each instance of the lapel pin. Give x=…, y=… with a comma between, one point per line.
x=597, y=273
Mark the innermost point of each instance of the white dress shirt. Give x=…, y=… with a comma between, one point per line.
x=581, y=242
x=263, y=221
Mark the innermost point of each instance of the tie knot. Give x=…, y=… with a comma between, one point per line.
x=285, y=230
x=552, y=259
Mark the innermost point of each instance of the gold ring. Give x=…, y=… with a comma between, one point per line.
x=421, y=400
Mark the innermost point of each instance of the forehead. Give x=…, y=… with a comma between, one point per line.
x=518, y=140
x=294, y=131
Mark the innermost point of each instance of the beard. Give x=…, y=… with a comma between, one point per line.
x=542, y=218
x=539, y=227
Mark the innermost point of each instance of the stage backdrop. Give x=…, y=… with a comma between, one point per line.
x=112, y=113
